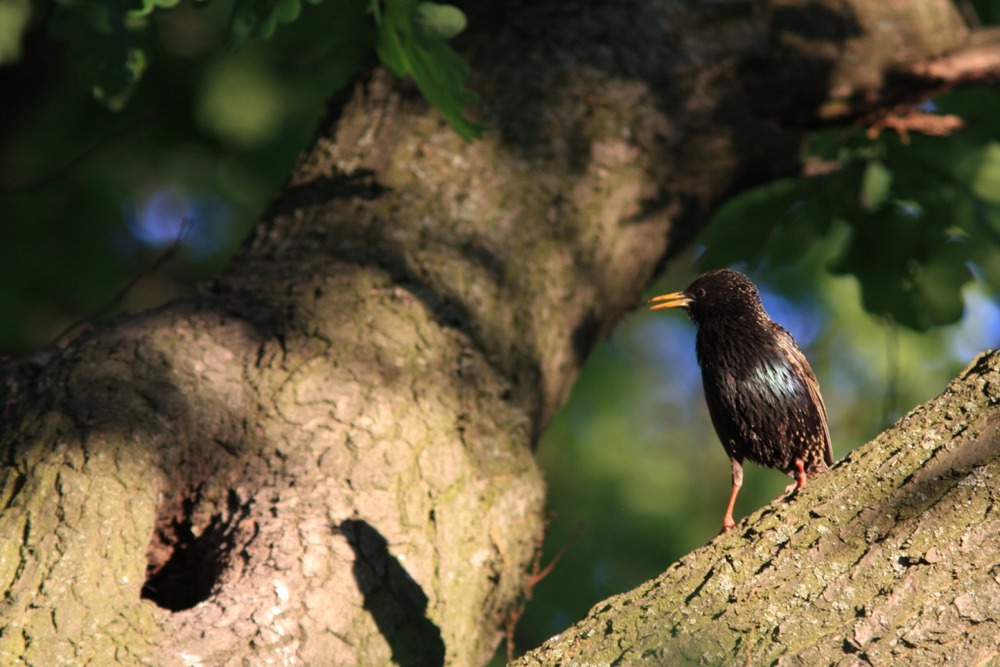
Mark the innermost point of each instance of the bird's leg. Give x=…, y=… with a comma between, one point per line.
x=800, y=477
x=727, y=520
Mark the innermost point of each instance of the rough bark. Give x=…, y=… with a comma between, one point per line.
x=890, y=558
x=325, y=456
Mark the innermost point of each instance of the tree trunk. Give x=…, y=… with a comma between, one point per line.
x=325, y=456
x=890, y=558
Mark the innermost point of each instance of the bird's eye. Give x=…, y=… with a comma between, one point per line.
x=699, y=293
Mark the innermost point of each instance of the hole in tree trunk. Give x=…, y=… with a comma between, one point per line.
x=184, y=563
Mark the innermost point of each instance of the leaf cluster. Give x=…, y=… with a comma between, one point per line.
x=111, y=48
x=918, y=217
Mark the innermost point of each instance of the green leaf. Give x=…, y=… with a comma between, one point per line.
x=908, y=267
x=412, y=42
x=258, y=19
x=148, y=6
x=780, y=220
x=739, y=230
x=875, y=182
x=393, y=30
x=436, y=22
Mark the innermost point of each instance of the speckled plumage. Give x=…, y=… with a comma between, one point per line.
x=762, y=394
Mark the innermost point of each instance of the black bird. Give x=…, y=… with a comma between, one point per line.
x=762, y=394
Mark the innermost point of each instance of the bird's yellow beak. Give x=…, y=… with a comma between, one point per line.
x=672, y=300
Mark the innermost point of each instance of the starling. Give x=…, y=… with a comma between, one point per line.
x=762, y=395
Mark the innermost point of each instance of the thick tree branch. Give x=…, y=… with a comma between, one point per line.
x=891, y=557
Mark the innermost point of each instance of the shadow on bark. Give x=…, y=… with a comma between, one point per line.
x=790, y=80
x=396, y=602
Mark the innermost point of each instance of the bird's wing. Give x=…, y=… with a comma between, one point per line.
x=804, y=370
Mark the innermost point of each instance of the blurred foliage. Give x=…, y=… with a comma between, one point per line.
x=173, y=127
x=258, y=19
x=111, y=43
x=921, y=213
x=79, y=183
x=108, y=48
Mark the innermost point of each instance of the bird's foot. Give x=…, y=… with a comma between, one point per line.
x=800, y=478
x=727, y=524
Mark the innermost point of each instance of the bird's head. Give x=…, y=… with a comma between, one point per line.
x=720, y=293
